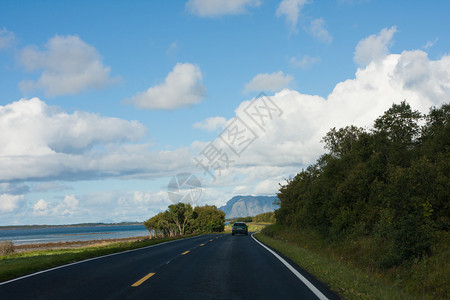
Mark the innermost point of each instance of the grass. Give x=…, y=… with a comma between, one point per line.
x=342, y=267
x=23, y=263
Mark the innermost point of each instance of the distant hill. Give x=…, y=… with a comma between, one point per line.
x=243, y=206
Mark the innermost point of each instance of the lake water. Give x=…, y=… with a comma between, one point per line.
x=66, y=234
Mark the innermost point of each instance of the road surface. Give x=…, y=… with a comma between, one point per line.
x=204, y=267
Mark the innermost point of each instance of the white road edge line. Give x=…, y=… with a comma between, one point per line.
x=94, y=258
x=296, y=273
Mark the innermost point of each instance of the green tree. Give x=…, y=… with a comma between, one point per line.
x=208, y=218
x=389, y=184
x=265, y=217
x=161, y=225
x=339, y=142
x=399, y=124
x=180, y=214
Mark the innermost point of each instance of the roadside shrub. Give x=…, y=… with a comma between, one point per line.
x=244, y=219
x=6, y=247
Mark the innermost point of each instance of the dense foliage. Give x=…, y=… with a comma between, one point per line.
x=268, y=217
x=242, y=219
x=389, y=184
x=181, y=218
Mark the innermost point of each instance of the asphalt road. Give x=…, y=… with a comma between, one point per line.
x=203, y=267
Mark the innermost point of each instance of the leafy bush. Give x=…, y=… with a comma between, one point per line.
x=6, y=247
x=265, y=217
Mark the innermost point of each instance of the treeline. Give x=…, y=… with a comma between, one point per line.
x=389, y=185
x=268, y=217
x=181, y=218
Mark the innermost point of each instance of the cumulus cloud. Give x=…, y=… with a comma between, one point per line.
x=268, y=186
x=430, y=79
x=40, y=142
x=291, y=10
x=304, y=63
x=319, y=31
x=65, y=208
x=10, y=203
x=182, y=87
x=69, y=65
x=7, y=38
x=215, y=8
x=211, y=124
x=374, y=47
x=132, y=205
x=268, y=82
x=290, y=141
x=31, y=127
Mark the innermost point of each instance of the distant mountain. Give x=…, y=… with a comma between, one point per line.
x=244, y=206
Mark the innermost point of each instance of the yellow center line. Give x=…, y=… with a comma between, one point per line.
x=202, y=244
x=139, y=282
x=210, y=240
x=185, y=252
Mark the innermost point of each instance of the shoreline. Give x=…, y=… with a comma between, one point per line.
x=74, y=244
x=44, y=226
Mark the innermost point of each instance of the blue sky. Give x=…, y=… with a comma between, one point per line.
x=103, y=102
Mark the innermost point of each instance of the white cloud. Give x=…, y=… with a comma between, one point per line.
x=10, y=203
x=291, y=141
x=40, y=142
x=69, y=66
x=7, y=38
x=318, y=30
x=374, y=47
x=215, y=8
x=429, y=79
x=65, y=208
x=40, y=207
x=268, y=186
x=306, y=61
x=268, y=82
x=430, y=44
x=291, y=10
x=103, y=206
x=211, y=124
x=182, y=87
x=30, y=127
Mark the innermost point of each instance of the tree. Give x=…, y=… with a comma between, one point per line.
x=265, y=217
x=399, y=124
x=208, y=219
x=160, y=225
x=339, y=142
x=180, y=219
x=180, y=214
x=389, y=185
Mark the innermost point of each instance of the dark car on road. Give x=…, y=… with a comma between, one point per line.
x=239, y=227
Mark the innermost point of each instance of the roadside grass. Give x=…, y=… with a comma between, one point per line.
x=342, y=268
x=23, y=263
